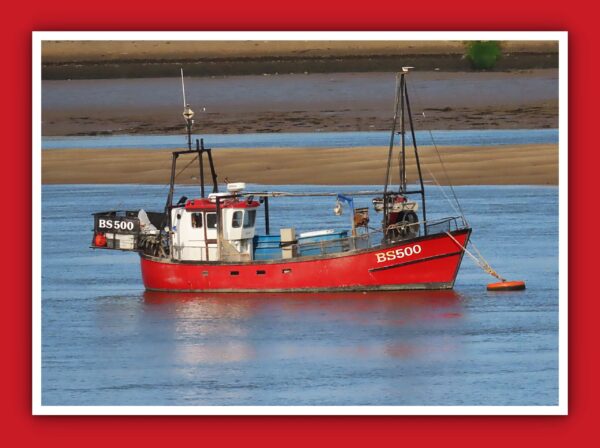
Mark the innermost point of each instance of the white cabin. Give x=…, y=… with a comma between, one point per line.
x=195, y=231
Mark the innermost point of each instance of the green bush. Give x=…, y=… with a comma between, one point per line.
x=483, y=54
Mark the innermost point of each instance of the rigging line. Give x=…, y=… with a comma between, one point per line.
x=471, y=241
x=122, y=202
x=417, y=96
x=276, y=194
x=181, y=171
x=447, y=176
x=167, y=186
x=186, y=167
x=443, y=192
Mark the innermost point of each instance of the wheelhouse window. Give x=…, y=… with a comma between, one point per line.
x=211, y=220
x=197, y=220
x=236, y=221
x=249, y=218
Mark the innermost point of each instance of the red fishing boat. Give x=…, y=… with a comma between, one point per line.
x=211, y=243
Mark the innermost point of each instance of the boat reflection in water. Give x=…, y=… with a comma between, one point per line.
x=417, y=303
x=311, y=327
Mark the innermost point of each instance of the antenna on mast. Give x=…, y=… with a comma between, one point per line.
x=188, y=114
x=183, y=87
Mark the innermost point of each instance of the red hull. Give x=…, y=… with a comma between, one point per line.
x=430, y=262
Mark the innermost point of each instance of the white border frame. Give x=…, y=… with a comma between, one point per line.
x=36, y=255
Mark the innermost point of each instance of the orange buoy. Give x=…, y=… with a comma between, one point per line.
x=100, y=240
x=506, y=286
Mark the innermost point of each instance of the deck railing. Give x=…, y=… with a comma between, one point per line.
x=369, y=239
x=374, y=237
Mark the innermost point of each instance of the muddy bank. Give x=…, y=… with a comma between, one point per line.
x=300, y=103
x=257, y=66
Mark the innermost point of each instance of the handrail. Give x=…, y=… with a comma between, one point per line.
x=367, y=236
x=374, y=237
x=363, y=236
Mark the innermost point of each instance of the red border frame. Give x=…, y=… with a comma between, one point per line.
x=15, y=329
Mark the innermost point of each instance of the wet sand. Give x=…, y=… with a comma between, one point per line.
x=522, y=164
x=300, y=103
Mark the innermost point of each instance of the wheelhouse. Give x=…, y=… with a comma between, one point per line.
x=199, y=225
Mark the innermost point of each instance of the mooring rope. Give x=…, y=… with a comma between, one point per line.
x=479, y=259
x=481, y=262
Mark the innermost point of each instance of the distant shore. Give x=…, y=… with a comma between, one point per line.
x=294, y=86
x=149, y=59
x=501, y=165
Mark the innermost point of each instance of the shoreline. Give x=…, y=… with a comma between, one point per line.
x=148, y=59
x=285, y=65
x=535, y=164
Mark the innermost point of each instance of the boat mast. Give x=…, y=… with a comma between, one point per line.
x=188, y=114
x=392, y=135
x=199, y=152
x=386, y=183
x=402, y=155
x=418, y=163
x=402, y=104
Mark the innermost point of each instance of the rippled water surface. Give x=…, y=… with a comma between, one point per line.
x=106, y=342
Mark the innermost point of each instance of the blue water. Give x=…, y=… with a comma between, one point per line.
x=309, y=139
x=106, y=342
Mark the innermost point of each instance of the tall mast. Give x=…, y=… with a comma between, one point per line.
x=402, y=105
x=417, y=161
x=391, y=146
x=188, y=114
x=392, y=134
x=402, y=155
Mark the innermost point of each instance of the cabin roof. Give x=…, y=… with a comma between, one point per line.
x=206, y=204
